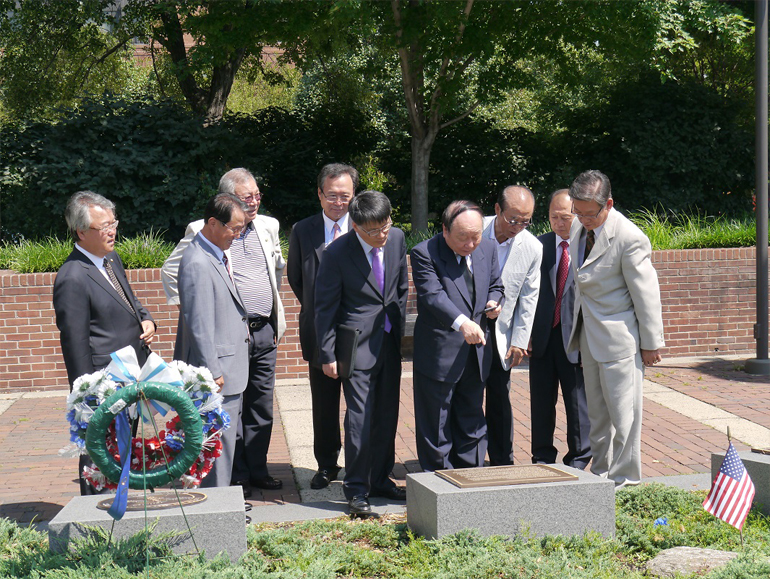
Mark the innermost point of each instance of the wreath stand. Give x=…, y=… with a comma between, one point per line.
x=110, y=410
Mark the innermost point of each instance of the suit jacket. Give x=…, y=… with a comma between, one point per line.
x=542, y=325
x=439, y=351
x=306, y=245
x=93, y=319
x=347, y=293
x=521, y=278
x=617, y=296
x=212, y=323
x=266, y=229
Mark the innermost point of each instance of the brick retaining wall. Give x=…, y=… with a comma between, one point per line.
x=708, y=307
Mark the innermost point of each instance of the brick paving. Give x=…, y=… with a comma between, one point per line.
x=37, y=483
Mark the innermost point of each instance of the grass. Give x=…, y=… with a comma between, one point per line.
x=149, y=250
x=695, y=231
x=388, y=549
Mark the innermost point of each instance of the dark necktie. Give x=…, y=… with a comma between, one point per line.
x=561, y=280
x=116, y=283
x=227, y=265
x=379, y=274
x=468, y=276
x=590, y=238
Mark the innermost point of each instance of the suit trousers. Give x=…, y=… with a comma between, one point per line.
x=614, y=396
x=499, y=412
x=546, y=373
x=221, y=473
x=371, y=419
x=325, y=396
x=255, y=427
x=449, y=419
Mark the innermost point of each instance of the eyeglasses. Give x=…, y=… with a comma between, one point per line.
x=516, y=223
x=333, y=198
x=582, y=216
x=235, y=230
x=251, y=198
x=380, y=230
x=107, y=228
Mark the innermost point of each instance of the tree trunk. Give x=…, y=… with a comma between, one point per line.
x=421, y=149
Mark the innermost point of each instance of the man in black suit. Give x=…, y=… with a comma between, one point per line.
x=457, y=281
x=337, y=184
x=363, y=283
x=96, y=311
x=551, y=363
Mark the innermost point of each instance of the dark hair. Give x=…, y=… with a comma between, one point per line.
x=77, y=212
x=455, y=208
x=369, y=207
x=335, y=170
x=591, y=186
x=553, y=195
x=234, y=177
x=221, y=207
x=501, y=197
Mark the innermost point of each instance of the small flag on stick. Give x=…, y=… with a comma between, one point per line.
x=731, y=492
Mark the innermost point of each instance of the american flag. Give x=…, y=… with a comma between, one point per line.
x=731, y=492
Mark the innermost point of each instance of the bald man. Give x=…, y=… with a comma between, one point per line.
x=518, y=257
x=551, y=364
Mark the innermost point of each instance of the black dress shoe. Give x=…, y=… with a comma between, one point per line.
x=245, y=486
x=323, y=477
x=359, y=507
x=395, y=493
x=268, y=483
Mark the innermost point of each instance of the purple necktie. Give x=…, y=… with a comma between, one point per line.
x=379, y=275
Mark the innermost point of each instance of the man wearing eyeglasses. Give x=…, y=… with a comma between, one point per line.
x=519, y=254
x=97, y=313
x=617, y=324
x=213, y=330
x=257, y=265
x=337, y=184
x=362, y=283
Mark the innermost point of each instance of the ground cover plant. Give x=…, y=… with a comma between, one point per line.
x=649, y=518
x=150, y=250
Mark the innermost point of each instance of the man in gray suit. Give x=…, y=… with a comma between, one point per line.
x=550, y=363
x=518, y=256
x=212, y=327
x=618, y=324
x=257, y=266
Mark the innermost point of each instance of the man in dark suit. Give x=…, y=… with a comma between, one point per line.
x=96, y=311
x=337, y=184
x=550, y=362
x=213, y=330
x=457, y=281
x=363, y=283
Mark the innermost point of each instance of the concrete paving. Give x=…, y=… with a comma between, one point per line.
x=688, y=405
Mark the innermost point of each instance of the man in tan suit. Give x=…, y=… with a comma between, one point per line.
x=618, y=324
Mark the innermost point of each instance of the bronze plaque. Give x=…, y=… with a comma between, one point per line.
x=492, y=476
x=158, y=501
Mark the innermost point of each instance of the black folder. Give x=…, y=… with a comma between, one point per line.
x=345, y=350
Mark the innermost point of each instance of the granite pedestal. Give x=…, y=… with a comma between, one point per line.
x=758, y=467
x=218, y=524
x=436, y=507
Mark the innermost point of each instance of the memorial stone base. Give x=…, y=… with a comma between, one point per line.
x=758, y=467
x=218, y=524
x=436, y=508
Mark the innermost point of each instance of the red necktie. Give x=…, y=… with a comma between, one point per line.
x=337, y=231
x=561, y=280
